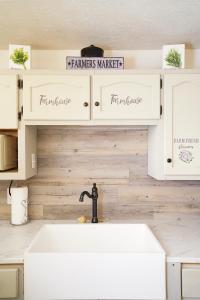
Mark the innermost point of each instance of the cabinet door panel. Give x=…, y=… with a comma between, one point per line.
x=191, y=282
x=126, y=97
x=8, y=283
x=60, y=97
x=8, y=102
x=182, y=124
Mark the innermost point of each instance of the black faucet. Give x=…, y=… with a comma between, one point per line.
x=94, y=197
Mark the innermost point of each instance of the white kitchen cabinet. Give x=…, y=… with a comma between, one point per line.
x=10, y=95
x=126, y=97
x=9, y=101
x=191, y=281
x=182, y=124
x=27, y=153
x=174, y=145
x=56, y=97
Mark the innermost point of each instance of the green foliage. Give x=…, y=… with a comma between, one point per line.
x=173, y=58
x=19, y=57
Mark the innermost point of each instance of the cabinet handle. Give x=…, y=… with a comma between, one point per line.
x=169, y=160
x=85, y=104
x=97, y=103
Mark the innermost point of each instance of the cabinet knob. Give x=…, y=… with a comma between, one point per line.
x=85, y=104
x=97, y=103
x=169, y=160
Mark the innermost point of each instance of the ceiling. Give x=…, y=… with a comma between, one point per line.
x=111, y=24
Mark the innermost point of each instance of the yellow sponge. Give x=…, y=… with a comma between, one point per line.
x=82, y=219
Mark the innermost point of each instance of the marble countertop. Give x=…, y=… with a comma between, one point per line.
x=179, y=236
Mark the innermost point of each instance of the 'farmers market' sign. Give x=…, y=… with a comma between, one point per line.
x=74, y=62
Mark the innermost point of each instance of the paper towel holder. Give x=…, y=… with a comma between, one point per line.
x=19, y=204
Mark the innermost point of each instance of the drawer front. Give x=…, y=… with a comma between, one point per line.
x=191, y=281
x=8, y=283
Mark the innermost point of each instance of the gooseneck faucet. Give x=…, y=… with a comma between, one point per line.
x=94, y=197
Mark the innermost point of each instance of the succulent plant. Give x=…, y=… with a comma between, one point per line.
x=19, y=57
x=173, y=58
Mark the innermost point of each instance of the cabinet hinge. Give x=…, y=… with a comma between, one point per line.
x=161, y=83
x=161, y=110
x=20, y=114
x=20, y=83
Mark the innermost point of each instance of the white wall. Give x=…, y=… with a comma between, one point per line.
x=134, y=59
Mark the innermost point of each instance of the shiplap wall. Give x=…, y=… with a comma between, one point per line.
x=70, y=159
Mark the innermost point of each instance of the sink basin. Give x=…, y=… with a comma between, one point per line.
x=94, y=261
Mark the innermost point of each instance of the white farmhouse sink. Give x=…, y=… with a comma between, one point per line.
x=94, y=261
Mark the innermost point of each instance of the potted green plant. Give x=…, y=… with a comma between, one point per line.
x=20, y=57
x=173, y=58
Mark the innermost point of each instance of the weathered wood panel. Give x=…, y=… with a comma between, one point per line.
x=70, y=159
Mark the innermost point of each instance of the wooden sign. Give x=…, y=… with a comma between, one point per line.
x=86, y=63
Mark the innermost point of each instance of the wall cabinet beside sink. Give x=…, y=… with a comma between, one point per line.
x=97, y=97
x=174, y=145
x=112, y=98
x=126, y=97
x=56, y=97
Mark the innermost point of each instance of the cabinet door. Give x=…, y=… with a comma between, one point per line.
x=8, y=102
x=8, y=283
x=182, y=124
x=126, y=97
x=191, y=281
x=60, y=97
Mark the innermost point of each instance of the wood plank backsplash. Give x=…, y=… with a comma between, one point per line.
x=70, y=159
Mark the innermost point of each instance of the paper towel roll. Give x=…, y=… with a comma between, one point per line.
x=19, y=205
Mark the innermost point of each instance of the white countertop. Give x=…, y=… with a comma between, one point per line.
x=179, y=235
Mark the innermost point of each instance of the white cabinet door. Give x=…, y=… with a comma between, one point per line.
x=191, y=281
x=8, y=102
x=126, y=97
x=56, y=97
x=182, y=124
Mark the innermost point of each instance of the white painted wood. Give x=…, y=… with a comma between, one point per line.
x=191, y=281
x=181, y=124
x=155, y=151
x=8, y=283
x=30, y=151
x=56, y=97
x=8, y=152
x=174, y=281
x=158, y=135
x=27, y=145
x=179, y=119
x=27, y=138
x=92, y=122
x=126, y=97
x=8, y=101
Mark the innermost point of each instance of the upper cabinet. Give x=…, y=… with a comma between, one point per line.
x=95, y=98
x=182, y=124
x=133, y=98
x=56, y=97
x=8, y=101
x=174, y=145
x=126, y=97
